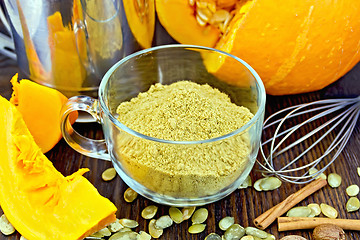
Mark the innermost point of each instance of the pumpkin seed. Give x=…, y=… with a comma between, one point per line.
x=213, y=236
x=204, y=13
x=246, y=183
x=328, y=211
x=130, y=195
x=109, y=174
x=125, y=229
x=102, y=233
x=187, y=212
x=201, y=4
x=235, y=231
x=353, y=204
x=302, y=211
x=255, y=232
x=220, y=16
x=149, y=212
x=197, y=228
x=115, y=226
x=176, y=215
x=270, y=237
x=128, y=223
x=315, y=209
x=163, y=222
x=124, y=236
x=247, y=237
x=358, y=171
x=270, y=183
x=5, y=226
x=200, y=21
x=153, y=231
x=313, y=173
x=143, y=236
x=200, y=216
x=352, y=190
x=226, y=222
x=334, y=180
x=257, y=185
x=192, y=2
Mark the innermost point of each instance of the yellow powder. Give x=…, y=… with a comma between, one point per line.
x=183, y=111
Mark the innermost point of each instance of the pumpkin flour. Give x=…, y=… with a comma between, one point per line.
x=183, y=111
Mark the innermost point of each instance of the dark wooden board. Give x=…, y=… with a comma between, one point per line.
x=245, y=204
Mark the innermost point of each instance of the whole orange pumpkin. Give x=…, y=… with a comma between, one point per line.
x=295, y=46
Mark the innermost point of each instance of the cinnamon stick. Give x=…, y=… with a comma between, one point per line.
x=298, y=223
x=268, y=217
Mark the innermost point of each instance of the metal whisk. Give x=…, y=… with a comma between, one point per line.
x=306, y=137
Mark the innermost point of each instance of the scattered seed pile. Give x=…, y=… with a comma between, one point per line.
x=183, y=111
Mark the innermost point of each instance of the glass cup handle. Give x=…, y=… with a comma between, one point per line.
x=86, y=146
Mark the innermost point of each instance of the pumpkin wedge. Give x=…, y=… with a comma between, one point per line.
x=295, y=46
x=40, y=107
x=140, y=15
x=37, y=199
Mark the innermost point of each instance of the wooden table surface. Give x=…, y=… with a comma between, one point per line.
x=245, y=204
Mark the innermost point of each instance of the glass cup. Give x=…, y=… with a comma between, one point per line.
x=205, y=170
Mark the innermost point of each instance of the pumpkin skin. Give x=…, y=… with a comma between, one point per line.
x=295, y=46
x=37, y=199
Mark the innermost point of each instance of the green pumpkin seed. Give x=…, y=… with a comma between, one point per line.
x=130, y=195
x=235, y=231
x=109, y=174
x=176, y=215
x=270, y=237
x=5, y=226
x=328, y=210
x=187, y=212
x=352, y=190
x=124, y=236
x=115, y=226
x=315, y=209
x=213, y=236
x=302, y=211
x=163, y=222
x=313, y=172
x=247, y=237
x=247, y=183
x=143, y=236
x=226, y=222
x=270, y=183
x=128, y=223
x=257, y=186
x=197, y=228
x=149, y=212
x=200, y=216
x=105, y=232
x=353, y=204
x=255, y=232
x=334, y=180
x=153, y=231
x=125, y=229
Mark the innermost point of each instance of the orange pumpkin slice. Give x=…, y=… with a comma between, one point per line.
x=67, y=69
x=178, y=18
x=37, y=199
x=140, y=15
x=40, y=107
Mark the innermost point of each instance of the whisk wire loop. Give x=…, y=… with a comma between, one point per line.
x=347, y=110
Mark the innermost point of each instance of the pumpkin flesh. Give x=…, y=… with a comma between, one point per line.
x=140, y=15
x=37, y=199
